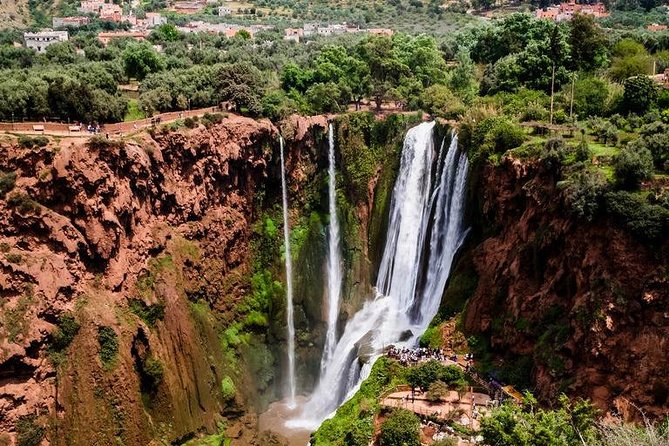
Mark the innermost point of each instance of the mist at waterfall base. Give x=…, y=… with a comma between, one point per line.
x=425, y=229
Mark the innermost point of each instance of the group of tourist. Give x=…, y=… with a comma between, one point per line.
x=409, y=356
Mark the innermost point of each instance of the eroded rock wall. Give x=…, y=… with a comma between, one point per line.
x=576, y=306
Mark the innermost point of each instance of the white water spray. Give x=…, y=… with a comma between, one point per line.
x=334, y=265
x=425, y=230
x=289, y=283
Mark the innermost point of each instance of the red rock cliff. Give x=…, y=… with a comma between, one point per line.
x=585, y=302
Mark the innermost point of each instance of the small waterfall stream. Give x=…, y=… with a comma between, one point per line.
x=290, y=322
x=425, y=230
x=334, y=265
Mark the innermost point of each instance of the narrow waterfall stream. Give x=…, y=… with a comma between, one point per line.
x=334, y=264
x=425, y=230
x=290, y=322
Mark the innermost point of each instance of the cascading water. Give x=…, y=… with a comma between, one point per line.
x=425, y=230
x=289, y=282
x=334, y=266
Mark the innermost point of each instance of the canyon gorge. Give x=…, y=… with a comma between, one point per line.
x=144, y=282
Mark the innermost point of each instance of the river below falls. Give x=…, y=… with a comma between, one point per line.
x=274, y=420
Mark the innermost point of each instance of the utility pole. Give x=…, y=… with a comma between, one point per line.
x=552, y=91
x=571, y=105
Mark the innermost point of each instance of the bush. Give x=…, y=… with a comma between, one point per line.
x=228, y=389
x=584, y=193
x=583, y=151
x=425, y=374
x=437, y=391
x=7, y=182
x=493, y=136
x=190, y=123
x=32, y=142
x=148, y=313
x=108, y=340
x=633, y=165
x=641, y=93
x=64, y=334
x=401, y=428
x=153, y=372
x=646, y=221
x=554, y=153
x=24, y=204
x=14, y=258
x=28, y=432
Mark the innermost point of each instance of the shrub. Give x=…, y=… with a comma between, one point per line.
x=32, y=142
x=583, y=151
x=148, y=313
x=13, y=257
x=554, y=153
x=24, y=204
x=209, y=119
x=646, y=221
x=108, y=340
x=425, y=374
x=633, y=165
x=401, y=428
x=64, y=334
x=28, y=432
x=641, y=93
x=584, y=193
x=493, y=136
x=153, y=371
x=437, y=391
x=190, y=123
x=7, y=182
x=228, y=389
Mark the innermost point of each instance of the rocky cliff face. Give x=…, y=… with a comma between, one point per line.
x=102, y=246
x=141, y=281
x=572, y=306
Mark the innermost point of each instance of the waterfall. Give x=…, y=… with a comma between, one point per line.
x=334, y=266
x=425, y=230
x=289, y=282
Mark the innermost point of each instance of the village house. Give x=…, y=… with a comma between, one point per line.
x=108, y=36
x=39, y=41
x=293, y=34
x=565, y=11
x=224, y=10
x=75, y=22
x=188, y=7
x=111, y=12
x=154, y=19
x=90, y=6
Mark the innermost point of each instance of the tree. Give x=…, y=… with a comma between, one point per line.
x=140, y=59
x=588, y=43
x=590, y=96
x=463, y=77
x=570, y=425
x=386, y=69
x=241, y=84
x=437, y=391
x=165, y=33
x=633, y=165
x=640, y=94
x=401, y=428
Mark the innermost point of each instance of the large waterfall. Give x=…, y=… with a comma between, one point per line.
x=425, y=230
x=290, y=322
x=334, y=266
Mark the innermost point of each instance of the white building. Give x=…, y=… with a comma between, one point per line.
x=91, y=6
x=154, y=19
x=224, y=10
x=41, y=40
